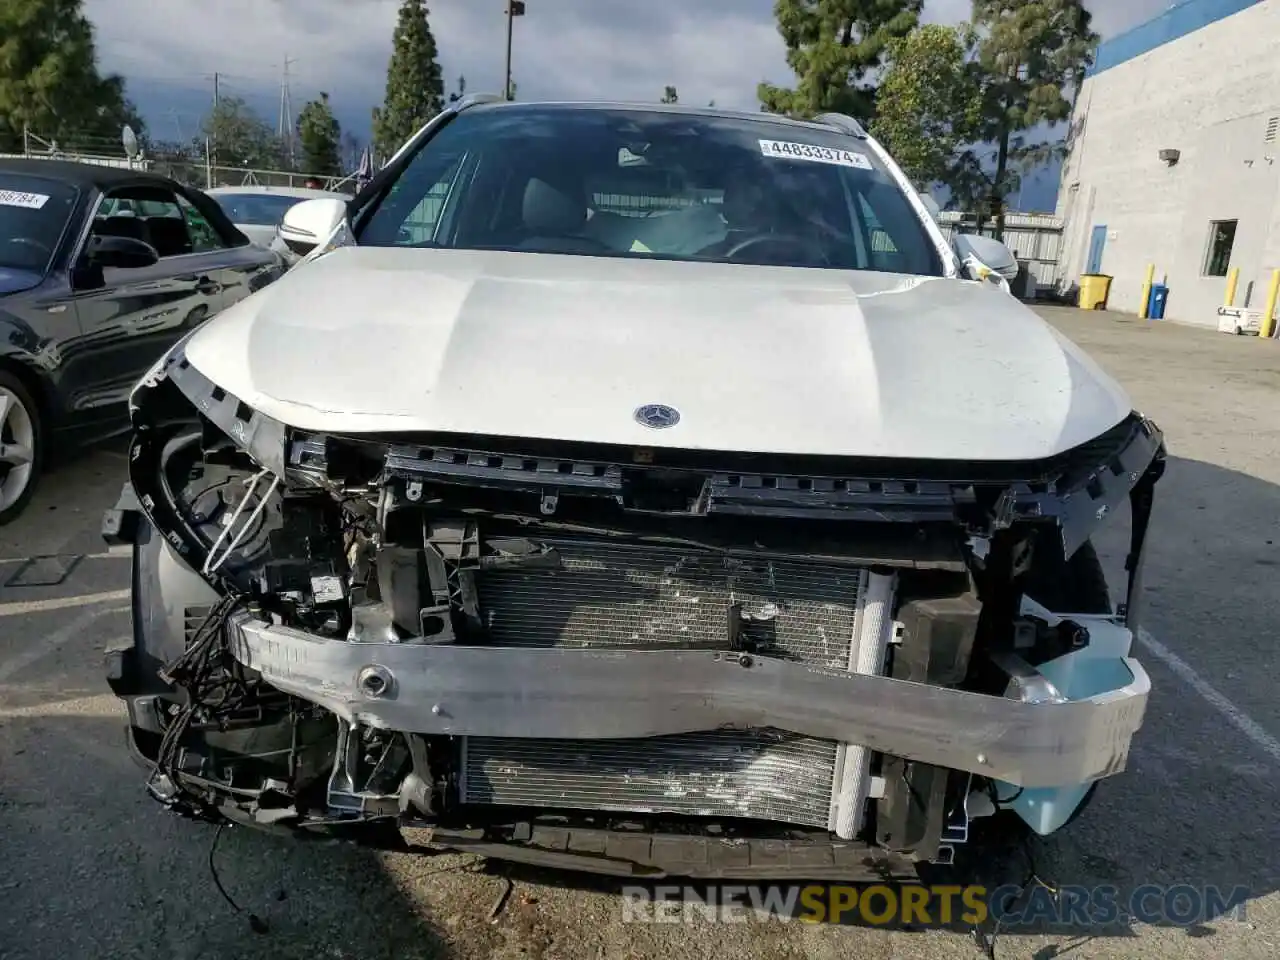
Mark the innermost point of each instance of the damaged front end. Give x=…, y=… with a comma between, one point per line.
x=640, y=662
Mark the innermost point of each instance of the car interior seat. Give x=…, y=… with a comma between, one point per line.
x=122, y=226
x=169, y=236
x=554, y=217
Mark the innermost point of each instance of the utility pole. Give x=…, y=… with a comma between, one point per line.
x=515, y=8
x=284, y=126
x=210, y=143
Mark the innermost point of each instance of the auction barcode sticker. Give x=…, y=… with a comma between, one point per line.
x=13, y=198
x=783, y=150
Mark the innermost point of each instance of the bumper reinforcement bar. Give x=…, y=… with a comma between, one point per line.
x=592, y=694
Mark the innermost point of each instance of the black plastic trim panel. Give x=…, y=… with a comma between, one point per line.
x=654, y=856
x=1077, y=489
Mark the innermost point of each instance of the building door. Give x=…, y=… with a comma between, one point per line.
x=1096, y=245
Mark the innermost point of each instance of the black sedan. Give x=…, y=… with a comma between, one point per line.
x=102, y=269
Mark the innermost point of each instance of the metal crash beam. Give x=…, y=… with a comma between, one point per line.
x=592, y=694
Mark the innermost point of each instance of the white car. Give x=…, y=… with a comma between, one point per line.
x=257, y=211
x=638, y=489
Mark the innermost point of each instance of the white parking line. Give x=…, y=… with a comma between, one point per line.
x=118, y=552
x=41, y=646
x=98, y=705
x=1233, y=714
x=19, y=608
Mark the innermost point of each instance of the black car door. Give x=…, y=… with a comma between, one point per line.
x=130, y=317
x=243, y=267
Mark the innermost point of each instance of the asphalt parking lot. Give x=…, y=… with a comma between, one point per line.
x=90, y=867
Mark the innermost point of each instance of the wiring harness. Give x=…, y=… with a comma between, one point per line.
x=215, y=689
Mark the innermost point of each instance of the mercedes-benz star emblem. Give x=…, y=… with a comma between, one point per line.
x=657, y=416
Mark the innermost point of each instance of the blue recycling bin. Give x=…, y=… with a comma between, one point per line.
x=1157, y=302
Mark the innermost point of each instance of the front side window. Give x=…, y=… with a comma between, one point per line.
x=636, y=183
x=33, y=216
x=168, y=222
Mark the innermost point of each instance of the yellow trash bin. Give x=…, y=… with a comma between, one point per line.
x=1094, y=290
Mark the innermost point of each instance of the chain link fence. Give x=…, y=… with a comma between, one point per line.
x=189, y=171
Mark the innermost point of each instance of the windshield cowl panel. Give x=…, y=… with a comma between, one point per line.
x=635, y=183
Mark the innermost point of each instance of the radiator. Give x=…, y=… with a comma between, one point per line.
x=608, y=595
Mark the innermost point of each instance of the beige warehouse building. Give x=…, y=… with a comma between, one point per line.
x=1175, y=160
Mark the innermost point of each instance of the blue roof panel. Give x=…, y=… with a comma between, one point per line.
x=1176, y=22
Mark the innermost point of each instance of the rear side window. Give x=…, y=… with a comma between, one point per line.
x=203, y=237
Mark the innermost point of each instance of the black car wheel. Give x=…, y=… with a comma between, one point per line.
x=21, y=446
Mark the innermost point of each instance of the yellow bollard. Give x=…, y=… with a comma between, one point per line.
x=1269, y=314
x=1233, y=281
x=1146, y=291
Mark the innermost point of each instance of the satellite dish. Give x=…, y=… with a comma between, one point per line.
x=130, y=141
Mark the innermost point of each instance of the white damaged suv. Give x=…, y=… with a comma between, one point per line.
x=634, y=489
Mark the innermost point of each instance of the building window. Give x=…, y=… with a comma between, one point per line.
x=1222, y=237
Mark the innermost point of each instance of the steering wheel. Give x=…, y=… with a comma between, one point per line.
x=783, y=239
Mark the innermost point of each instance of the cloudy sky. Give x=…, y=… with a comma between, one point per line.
x=625, y=49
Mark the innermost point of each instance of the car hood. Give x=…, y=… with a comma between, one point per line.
x=761, y=359
x=15, y=280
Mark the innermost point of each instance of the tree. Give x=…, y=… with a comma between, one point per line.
x=49, y=80
x=461, y=91
x=835, y=47
x=415, y=86
x=1032, y=53
x=238, y=137
x=930, y=105
x=321, y=138
x=670, y=95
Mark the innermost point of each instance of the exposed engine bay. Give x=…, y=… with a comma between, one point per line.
x=632, y=661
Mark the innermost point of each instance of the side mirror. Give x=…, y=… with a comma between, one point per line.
x=983, y=256
x=126, y=252
x=308, y=224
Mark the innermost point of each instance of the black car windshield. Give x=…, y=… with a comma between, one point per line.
x=33, y=215
x=633, y=182
x=255, y=209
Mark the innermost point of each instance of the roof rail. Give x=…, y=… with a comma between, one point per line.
x=843, y=123
x=475, y=99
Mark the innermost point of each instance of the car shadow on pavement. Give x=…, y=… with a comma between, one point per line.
x=65, y=515
x=95, y=868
